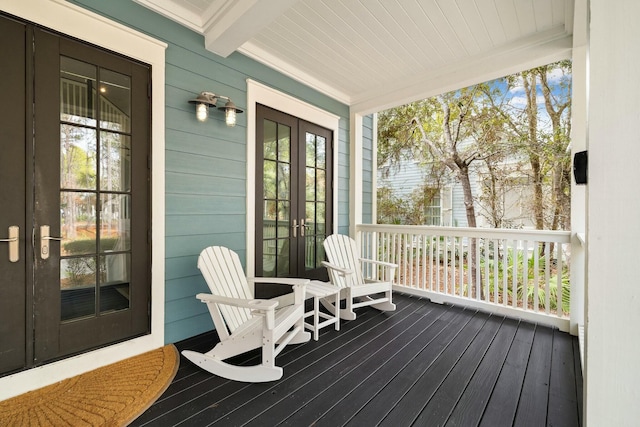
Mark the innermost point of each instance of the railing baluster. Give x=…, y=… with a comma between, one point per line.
x=431, y=262
x=514, y=284
x=505, y=272
x=454, y=259
x=525, y=274
x=449, y=261
x=496, y=276
x=547, y=279
x=446, y=264
x=559, y=310
x=478, y=270
x=536, y=276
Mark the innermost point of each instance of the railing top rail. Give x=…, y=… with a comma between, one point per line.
x=486, y=233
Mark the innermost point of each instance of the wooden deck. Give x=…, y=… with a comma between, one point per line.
x=424, y=365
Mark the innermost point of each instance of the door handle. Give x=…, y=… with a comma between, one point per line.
x=295, y=226
x=44, y=241
x=14, y=243
x=302, y=227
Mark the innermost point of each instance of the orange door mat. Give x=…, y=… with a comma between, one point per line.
x=113, y=395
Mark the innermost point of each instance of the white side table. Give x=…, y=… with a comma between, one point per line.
x=317, y=290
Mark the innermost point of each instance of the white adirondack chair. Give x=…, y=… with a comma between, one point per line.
x=244, y=323
x=346, y=268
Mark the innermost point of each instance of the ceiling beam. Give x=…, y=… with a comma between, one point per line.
x=237, y=21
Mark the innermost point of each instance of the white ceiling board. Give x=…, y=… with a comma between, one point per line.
x=361, y=52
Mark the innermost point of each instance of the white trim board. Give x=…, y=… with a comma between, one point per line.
x=258, y=93
x=77, y=22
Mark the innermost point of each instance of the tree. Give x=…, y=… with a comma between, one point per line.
x=544, y=144
x=452, y=130
x=507, y=129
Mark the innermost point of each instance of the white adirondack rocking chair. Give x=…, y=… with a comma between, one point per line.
x=346, y=268
x=244, y=323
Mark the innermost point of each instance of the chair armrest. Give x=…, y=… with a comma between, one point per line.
x=341, y=271
x=280, y=280
x=297, y=284
x=253, y=304
x=388, y=268
x=382, y=263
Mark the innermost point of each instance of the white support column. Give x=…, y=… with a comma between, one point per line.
x=578, y=143
x=355, y=173
x=612, y=349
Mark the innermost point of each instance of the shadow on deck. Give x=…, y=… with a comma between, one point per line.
x=424, y=364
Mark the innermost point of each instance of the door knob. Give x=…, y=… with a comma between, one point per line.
x=14, y=242
x=45, y=238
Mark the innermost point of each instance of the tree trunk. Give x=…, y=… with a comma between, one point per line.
x=476, y=290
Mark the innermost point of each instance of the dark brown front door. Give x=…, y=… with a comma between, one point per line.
x=75, y=184
x=13, y=269
x=293, y=195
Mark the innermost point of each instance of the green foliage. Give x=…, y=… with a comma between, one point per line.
x=82, y=270
x=519, y=146
x=526, y=284
x=553, y=293
x=85, y=246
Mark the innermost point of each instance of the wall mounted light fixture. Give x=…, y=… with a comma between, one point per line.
x=206, y=100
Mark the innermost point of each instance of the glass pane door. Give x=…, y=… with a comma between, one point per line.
x=293, y=195
x=315, y=223
x=276, y=231
x=95, y=189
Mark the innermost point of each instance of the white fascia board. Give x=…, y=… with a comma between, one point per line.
x=264, y=57
x=172, y=10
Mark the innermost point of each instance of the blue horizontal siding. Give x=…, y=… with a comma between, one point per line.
x=205, y=163
x=367, y=169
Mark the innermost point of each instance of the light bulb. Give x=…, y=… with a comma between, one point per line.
x=230, y=117
x=202, y=112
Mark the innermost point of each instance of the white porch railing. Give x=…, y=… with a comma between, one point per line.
x=522, y=273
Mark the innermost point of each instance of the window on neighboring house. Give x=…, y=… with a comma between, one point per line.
x=433, y=210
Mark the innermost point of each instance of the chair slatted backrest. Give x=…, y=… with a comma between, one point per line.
x=223, y=272
x=342, y=251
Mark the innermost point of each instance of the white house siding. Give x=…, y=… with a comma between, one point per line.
x=410, y=175
x=404, y=180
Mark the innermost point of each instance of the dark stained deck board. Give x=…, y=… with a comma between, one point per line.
x=323, y=367
x=361, y=396
x=449, y=392
x=357, y=387
x=535, y=390
x=503, y=403
x=209, y=391
x=345, y=375
x=562, y=383
x=412, y=403
x=471, y=405
x=385, y=400
x=424, y=364
x=577, y=363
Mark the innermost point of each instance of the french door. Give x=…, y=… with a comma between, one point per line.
x=293, y=195
x=74, y=196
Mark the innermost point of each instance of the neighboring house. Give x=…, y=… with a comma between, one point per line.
x=447, y=209
x=194, y=184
